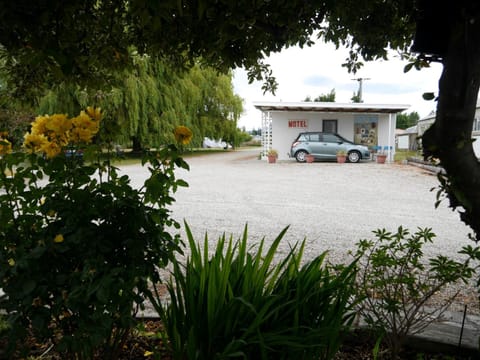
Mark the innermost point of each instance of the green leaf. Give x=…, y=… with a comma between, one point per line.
x=408, y=67
x=428, y=96
x=28, y=286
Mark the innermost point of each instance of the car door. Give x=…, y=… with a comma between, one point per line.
x=315, y=145
x=331, y=143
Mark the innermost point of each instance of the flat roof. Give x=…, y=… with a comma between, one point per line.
x=330, y=107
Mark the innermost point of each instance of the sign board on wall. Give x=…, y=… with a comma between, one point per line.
x=297, y=123
x=366, y=129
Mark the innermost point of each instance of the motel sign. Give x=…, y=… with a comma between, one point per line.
x=297, y=123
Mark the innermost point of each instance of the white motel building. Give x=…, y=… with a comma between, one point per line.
x=372, y=125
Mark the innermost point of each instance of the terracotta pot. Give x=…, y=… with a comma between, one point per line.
x=381, y=158
x=310, y=158
x=272, y=159
x=341, y=158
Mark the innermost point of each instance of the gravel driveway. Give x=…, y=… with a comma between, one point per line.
x=332, y=205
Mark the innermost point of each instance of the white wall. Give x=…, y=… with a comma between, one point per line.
x=403, y=141
x=283, y=135
x=476, y=143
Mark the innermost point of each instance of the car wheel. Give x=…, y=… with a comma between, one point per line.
x=301, y=156
x=353, y=156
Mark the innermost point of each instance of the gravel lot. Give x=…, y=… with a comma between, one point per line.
x=331, y=205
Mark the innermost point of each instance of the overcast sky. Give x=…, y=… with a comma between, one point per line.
x=317, y=70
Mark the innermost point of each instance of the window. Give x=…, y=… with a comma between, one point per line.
x=330, y=138
x=315, y=137
x=476, y=124
x=330, y=126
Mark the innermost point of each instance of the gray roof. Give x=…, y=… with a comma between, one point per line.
x=330, y=107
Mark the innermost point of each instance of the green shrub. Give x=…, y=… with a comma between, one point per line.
x=79, y=246
x=394, y=283
x=238, y=303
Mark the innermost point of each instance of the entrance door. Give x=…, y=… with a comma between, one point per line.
x=330, y=126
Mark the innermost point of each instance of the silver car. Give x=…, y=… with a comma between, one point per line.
x=324, y=146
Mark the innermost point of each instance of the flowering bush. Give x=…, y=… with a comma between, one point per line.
x=78, y=244
x=51, y=134
x=395, y=283
x=183, y=135
x=5, y=145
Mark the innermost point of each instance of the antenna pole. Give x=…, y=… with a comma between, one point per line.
x=360, y=86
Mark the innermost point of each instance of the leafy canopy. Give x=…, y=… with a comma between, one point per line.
x=84, y=40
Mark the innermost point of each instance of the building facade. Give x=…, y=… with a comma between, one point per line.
x=366, y=124
x=424, y=123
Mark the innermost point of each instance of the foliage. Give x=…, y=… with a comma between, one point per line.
x=356, y=98
x=239, y=303
x=394, y=283
x=329, y=97
x=80, y=245
x=147, y=102
x=14, y=122
x=272, y=152
x=242, y=137
x=3, y=325
x=405, y=121
x=51, y=41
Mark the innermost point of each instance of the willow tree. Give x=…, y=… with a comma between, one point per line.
x=150, y=99
x=83, y=40
x=217, y=114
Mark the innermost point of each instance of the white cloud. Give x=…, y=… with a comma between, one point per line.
x=317, y=70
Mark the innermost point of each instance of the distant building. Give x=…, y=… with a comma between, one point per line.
x=366, y=124
x=424, y=123
x=407, y=139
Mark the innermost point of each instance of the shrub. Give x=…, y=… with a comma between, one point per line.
x=394, y=283
x=79, y=244
x=238, y=303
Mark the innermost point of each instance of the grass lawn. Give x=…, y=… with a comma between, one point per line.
x=401, y=155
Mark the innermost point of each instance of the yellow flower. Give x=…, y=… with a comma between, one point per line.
x=34, y=142
x=183, y=135
x=94, y=113
x=51, y=149
x=11, y=262
x=58, y=239
x=39, y=125
x=5, y=146
x=84, y=128
x=58, y=123
x=147, y=353
x=57, y=127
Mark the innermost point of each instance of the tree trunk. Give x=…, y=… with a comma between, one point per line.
x=450, y=137
x=136, y=144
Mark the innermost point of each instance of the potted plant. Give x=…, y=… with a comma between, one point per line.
x=272, y=156
x=341, y=156
x=381, y=157
x=309, y=158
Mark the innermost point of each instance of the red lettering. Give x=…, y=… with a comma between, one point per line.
x=297, y=123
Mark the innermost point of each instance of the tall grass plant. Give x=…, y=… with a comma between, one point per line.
x=242, y=302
